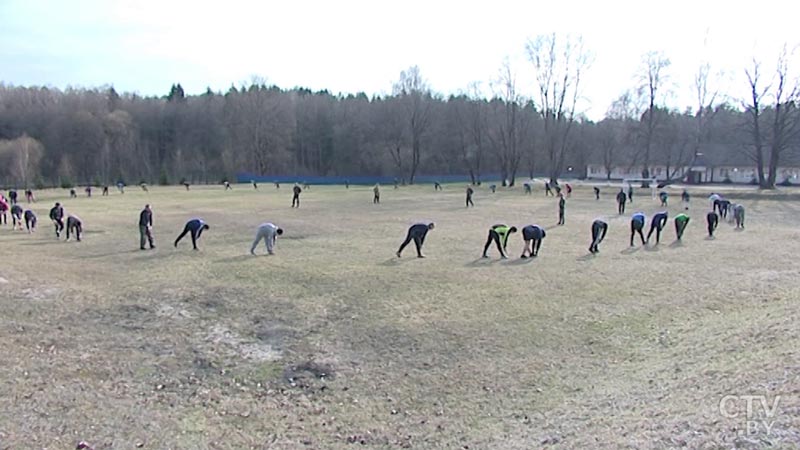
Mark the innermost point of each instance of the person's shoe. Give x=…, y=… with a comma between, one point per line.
x=176, y=245
x=503, y=257
x=252, y=253
x=152, y=247
x=420, y=256
x=195, y=249
x=398, y=254
x=141, y=248
x=523, y=257
x=484, y=256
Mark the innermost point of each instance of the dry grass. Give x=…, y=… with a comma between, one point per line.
x=335, y=343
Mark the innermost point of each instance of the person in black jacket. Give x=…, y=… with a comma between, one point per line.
x=30, y=221
x=57, y=216
x=296, y=190
x=657, y=224
x=621, y=200
x=16, y=216
x=195, y=227
x=417, y=233
x=74, y=225
x=599, y=229
x=469, y=196
x=146, y=227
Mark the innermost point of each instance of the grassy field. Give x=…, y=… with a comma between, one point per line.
x=336, y=343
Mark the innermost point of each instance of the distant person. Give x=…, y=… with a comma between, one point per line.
x=738, y=215
x=105, y=190
x=29, y=196
x=3, y=210
x=121, y=187
x=16, y=216
x=493, y=188
x=376, y=194
x=194, y=228
x=723, y=206
x=712, y=200
x=277, y=185
x=596, y=193
x=396, y=183
x=663, y=196
x=621, y=199
x=144, y=187
x=637, y=225
x=88, y=191
x=685, y=199
x=681, y=221
x=548, y=191
x=227, y=185
x=469, y=196
x=57, y=216
x=527, y=187
x=186, y=184
x=657, y=224
x=296, y=195
x=146, y=227
x=417, y=233
x=630, y=193
x=437, y=186
x=255, y=185
x=269, y=233
x=568, y=189
x=532, y=236
x=30, y=221
x=562, y=206
x=558, y=190
x=12, y=197
x=72, y=194
x=599, y=229
x=306, y=186
x=74, y=226
x=712, y=219
x=347, y=184
x=499, y=234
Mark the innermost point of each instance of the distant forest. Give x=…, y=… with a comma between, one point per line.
x=50, y=137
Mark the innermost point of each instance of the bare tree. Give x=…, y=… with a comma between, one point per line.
x=651, y=82
x=21, y=157
x=415, y=95
x=508, y=124
x=559, y=64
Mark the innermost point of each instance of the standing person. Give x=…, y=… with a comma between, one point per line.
x=105, y=190
x=16, y=216
x=663, y=196
x=376, y=194
x=347, y=184
x=685, y=199
x=269, y=232
x=255, y=185
x=277, y=185
x=396, y=183
x=12, y=196
x=146, y=227
x=532, y=236
x=547, y=190
x=469, y=196
x=596, y=193
x=195, y=228
x=713, y=220
x=74, y=225
x=30, y=221
x=29, y=196
x=499, y=234
x=621, y=199
x=681, y=220
x=738, y=215
x=72, y=193
x=57, y=216
x=88, y=191
x=121, y=187
x=657, y=224
x=527, y=186
x=569, y=189
x=296, y=195
x=417, y=233
x=562, y=205
x=630, y=193
x=599, y=229
x=3, y=210
x=637, y=225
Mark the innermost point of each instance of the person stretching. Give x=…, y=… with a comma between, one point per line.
x=499, y=234
x=657, y=224
x=562, y=205
x=599, y=229
x=637, y=225
x=532, y=236
x=74, y=225
x=30, y=221
x=195, y=227
x=296, y=190
x=57, y=216
x=417, y=233
x=738, y=215
x=16, y=216
x=713, y=220
x=681, y=220
x=269, y=233
x=376, y=194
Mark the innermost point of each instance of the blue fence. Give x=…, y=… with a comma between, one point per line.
x=367, y=181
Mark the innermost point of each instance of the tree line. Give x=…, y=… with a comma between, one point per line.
x=52, y=137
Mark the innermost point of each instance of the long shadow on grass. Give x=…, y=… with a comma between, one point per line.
x=652, y=248
x=238, y=258
x=481, y=262
x=587, y=257
x=115, y=253
x=676, y=244
x=630, y=250
x=519, y=261
x=395, y=261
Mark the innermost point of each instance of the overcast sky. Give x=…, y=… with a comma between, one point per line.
x=361, y=46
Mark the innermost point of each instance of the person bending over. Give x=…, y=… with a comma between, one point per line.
x=681, y=220
x=499, y=234
x=599, y=229
x=269, y=232
x=657, y=224
x=195, y=228
x=417, y=233
x=532, y=236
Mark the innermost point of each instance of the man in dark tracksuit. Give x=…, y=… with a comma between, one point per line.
x=621, y=199
x=74, y=225
x=630, y=193
x=562, y=205
x=296, y=190
x=376, y=194
x=681, y=220
x=663, y=196
x=146, y=227
x=499, y=234
x=12, y=196
x=57, y=216
x=657, y=224
x=722, y=205
x=532, y=236
x=16, y=216
x=30, y=221
x=599, y=229
x=417, y=233
x=713, y=220
x=195, y=227
x=637, y=225
x=596, y=193
x=469, y=196
x=547, y=189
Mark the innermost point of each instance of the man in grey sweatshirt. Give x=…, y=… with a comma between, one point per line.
x=269, y=232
